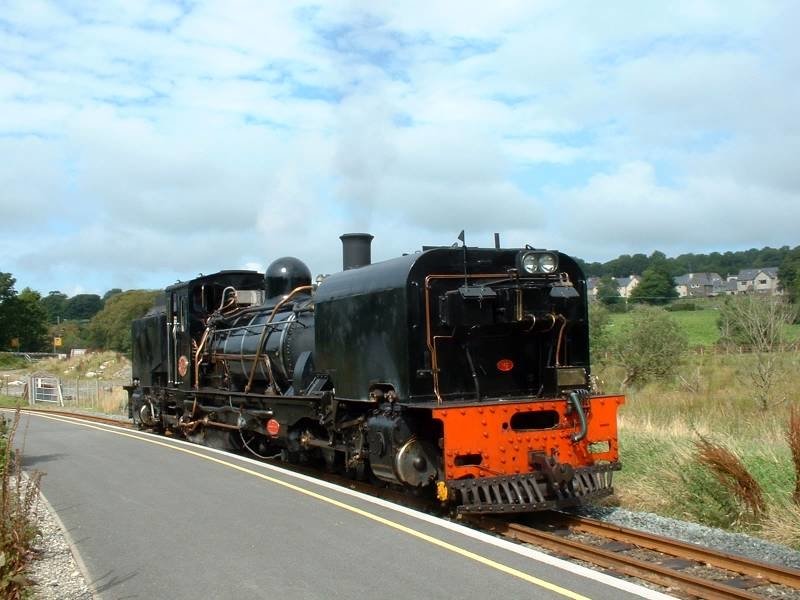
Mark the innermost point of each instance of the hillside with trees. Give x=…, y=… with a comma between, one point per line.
x=29, y=322
x=23, y=319
x=727, y=263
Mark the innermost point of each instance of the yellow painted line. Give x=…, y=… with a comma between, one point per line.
x=353, y=509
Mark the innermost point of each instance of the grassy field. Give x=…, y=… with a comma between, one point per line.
x=700, y=326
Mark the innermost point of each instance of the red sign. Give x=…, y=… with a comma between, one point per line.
x=505, y=365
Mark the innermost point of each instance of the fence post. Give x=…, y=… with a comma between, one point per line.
x=97, y=392
x=59, y=392
x=30, y=390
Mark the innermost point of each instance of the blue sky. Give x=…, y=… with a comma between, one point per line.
x=143, y=142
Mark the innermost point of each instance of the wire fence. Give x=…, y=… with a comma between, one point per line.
x=102, y=395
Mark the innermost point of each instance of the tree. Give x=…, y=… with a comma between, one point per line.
x=72, y=334
x=650, y=345
x=83, y=306
x=608, y=291
x=789, y=275
x=111, y=292
x=7, y=293
x=31, y=321
x=110, y=328
x=22, y=317
x=757, y=323
x=55, y=305
x=728, y=263
x=656, y=287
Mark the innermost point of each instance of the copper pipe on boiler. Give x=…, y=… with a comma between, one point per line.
x=197, y=354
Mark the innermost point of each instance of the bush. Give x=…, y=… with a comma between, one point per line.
x=759, y=324
x=18, y=497
x=681, y=306
x=599, y=320
x=10, y=361
x=729, y=470
x=649, y=346
x=618, y=308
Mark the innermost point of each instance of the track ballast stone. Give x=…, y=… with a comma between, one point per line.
x=710, y=537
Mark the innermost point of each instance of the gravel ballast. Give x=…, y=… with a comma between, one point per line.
x=724, y=541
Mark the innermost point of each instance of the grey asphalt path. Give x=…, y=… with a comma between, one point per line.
x=153, y=522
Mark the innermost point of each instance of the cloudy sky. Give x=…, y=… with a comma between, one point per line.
x=141, y=142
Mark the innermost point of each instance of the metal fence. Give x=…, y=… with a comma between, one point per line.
x=101, y=394
x=104, y=395
x=15, y=386
x=45, y=389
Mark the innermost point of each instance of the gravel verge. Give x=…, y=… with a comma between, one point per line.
x=55, y=571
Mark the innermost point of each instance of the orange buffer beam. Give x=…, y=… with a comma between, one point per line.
x=489, y=439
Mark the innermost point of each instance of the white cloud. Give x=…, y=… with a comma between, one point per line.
x=698, y=214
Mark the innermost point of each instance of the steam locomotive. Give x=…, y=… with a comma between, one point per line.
x=460, y=372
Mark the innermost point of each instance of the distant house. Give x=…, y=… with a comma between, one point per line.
x=591, y=286
x=697, y=285
x=725, y=288
x=758, y=281
x=625, y=285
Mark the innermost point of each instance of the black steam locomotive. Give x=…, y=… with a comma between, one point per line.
x=460, y=371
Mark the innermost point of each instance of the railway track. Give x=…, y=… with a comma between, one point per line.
x=82, y=416
x=692, y=570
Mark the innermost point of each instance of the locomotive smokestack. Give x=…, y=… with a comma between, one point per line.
x=356, y=250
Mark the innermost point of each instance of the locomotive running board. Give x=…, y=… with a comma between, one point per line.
x=525, y=493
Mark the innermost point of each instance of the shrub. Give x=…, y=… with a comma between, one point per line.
x=793, y=437
x=732, y=474
x=681, y=306
x=18, y=497
x=758, y=324
x=599, y=320
x=649, y=346
x=10, y=361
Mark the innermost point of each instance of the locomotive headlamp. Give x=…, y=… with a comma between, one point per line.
x=547, y=263
x=531, y=262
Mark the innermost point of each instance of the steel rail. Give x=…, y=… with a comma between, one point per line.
x=723, y=560
x=86, y=417
x=627, y=565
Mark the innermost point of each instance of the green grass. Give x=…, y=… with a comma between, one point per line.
x=11, y=401
x=700, y=326
x=10, y=361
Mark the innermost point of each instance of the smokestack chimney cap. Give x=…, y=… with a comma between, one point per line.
x=356, y=250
